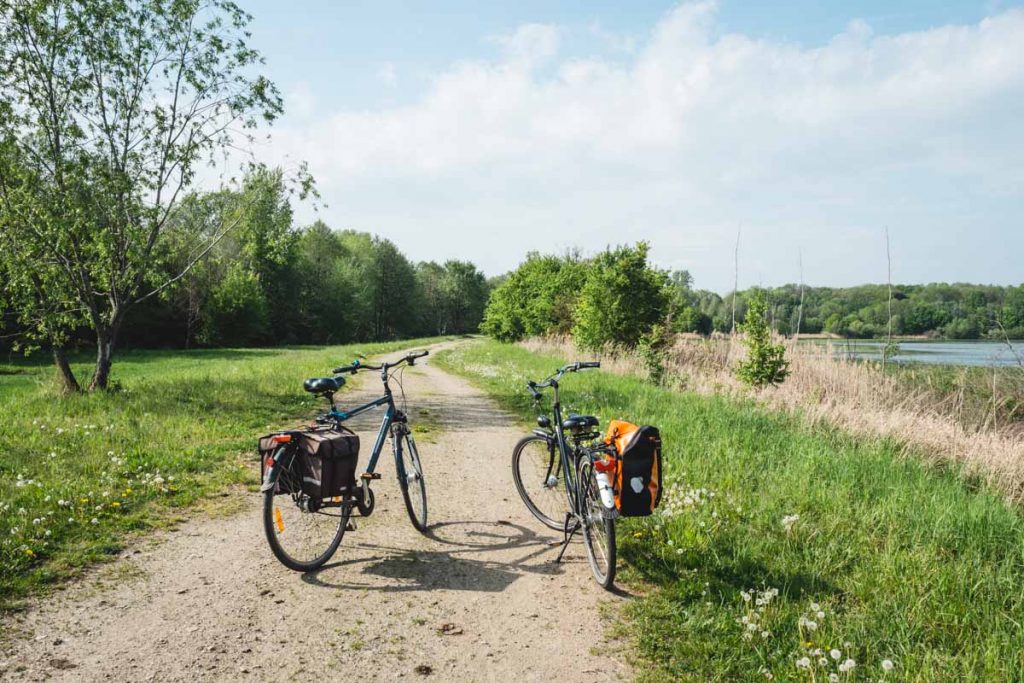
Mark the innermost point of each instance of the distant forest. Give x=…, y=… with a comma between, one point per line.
x=616, y=297
x=269, y=282
x=950, y=311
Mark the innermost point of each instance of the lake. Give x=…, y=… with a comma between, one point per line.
x=978, y=353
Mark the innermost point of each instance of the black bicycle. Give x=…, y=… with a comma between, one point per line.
x=565, y=484
x=304, y=532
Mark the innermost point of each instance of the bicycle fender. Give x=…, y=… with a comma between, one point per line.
x=546, y=434
x=272, y=475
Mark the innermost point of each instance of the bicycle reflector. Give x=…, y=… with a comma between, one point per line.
x=281, y=438
x=605, y=465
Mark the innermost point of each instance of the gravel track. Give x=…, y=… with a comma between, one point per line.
x=479, y=598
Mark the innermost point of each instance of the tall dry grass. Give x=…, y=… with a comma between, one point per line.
x=944, y=423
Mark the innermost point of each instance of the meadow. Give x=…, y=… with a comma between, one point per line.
x=79, y=475
x=788, y=549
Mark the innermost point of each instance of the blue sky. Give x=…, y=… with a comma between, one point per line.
x=486, y=130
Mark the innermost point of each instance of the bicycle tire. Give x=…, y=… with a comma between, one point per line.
x=410, y=480
x=319, y=524
x=550, y=493
x=598, y=529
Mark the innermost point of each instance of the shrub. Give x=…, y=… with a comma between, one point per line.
x=622, y=299
x=765, y=362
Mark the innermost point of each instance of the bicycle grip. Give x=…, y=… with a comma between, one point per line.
x=590, y=364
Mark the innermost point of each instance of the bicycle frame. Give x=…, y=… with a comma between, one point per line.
x=391, y=416
x=385, y=425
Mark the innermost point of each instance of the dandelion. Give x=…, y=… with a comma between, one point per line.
x=745, y=595
x=833, y=678
x=887, y=665
x=71, y=520
x=822, y=661
x=803, y=663
x=789, y=521
x=836, y=654
x=95, y=521
x=848, y=665
x=115, y=504
x=47, y=533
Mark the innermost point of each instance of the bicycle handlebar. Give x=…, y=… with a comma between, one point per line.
x=355, y=366
x=553, y=379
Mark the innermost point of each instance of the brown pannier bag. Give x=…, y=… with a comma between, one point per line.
x=327, y=460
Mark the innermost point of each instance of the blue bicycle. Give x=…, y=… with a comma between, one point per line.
x=303, y=531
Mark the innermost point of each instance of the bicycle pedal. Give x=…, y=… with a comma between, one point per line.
x=351, y=526
x=370, y=476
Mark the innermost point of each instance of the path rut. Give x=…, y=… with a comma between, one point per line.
x=479, y=598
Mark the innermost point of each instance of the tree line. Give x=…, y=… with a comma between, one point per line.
x=940, y=310
x=617, y=297
x=269, y=282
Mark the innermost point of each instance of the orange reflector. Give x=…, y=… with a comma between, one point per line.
x=281, y=438
x=270, y=462
x=607, y=465
x=278, y=520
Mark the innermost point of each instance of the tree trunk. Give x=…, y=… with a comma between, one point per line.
x=106, y=338
x=69, y=383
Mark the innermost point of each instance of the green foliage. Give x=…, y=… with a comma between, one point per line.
x=106, y=111
x=906, y=561
x=955, y=311
x=238, y=314
x=622, y=298
x=652, y=351
x=536, y=298
x=765, y=363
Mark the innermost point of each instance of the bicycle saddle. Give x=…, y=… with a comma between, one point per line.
x=323, y=385
x=579, y=421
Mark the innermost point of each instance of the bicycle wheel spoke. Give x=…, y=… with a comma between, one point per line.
x=301, y=536
x=537, y=470
x=411, y=481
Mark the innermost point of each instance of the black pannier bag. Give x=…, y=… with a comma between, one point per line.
x=326, y=459
x=637, y=480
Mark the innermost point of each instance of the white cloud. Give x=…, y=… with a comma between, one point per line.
x=816, y=148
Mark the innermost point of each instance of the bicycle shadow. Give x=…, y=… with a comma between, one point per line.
x=463, y=565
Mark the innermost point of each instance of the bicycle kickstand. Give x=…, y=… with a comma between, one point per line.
x=569, y=533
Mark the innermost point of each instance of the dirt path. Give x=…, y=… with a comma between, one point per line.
x=211, y=603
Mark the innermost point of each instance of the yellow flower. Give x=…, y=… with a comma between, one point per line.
x=127, y=492
x=115, y=504
x=638, y=534
x=28, y=551
x=83, y=501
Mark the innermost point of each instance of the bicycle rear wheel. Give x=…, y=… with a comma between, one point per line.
x=302, y=534
x=598, y=528
x=537, y=471
x=410, y=480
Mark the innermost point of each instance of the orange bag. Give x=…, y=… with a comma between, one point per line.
x=637, y=480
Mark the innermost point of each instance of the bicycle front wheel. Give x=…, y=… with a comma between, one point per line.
x=410, y=480
x=302, y=534
x=537, y=471
x=598, y=528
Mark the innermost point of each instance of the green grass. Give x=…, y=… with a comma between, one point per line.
x=906, y=561
x=79, y=474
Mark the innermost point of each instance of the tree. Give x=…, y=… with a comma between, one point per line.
x=106, y=109
x=536, y=298
x=622, y=299
x=765, y=363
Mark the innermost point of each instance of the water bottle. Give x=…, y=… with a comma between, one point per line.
x=604, y=484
